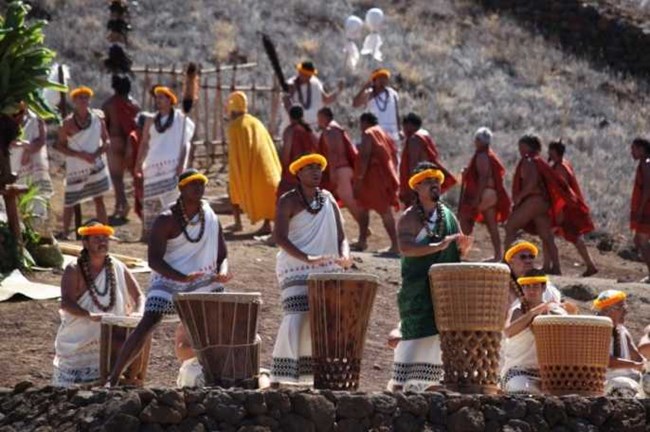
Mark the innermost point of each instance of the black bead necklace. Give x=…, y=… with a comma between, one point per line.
x=436, y=234
x=109, y=284
x=161, y=128
x=316, y=204
x=184, y=221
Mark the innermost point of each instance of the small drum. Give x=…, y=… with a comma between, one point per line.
x=573, y=353
x=223, y=330
x=114, y=332
x=339, y=311
x=469, y=302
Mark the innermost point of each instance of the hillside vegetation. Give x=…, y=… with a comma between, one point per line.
x=456, y=65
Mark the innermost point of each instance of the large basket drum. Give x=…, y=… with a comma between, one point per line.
x=223, y=330
x=573, y=353
x=469, y=303
x=114, y=332
x=339, y=311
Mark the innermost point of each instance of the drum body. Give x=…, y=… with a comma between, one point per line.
x=223, y=330
x=469, y=302
x=114, y=332
x=573, y=353
x=340, y=305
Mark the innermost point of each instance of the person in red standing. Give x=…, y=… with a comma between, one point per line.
x=376, y=183
x=298, y=139
x=640, y=209
x=484, y=198
x=574, y=222
x=418, y=147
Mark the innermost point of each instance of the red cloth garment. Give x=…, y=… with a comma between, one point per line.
x=642, y=226
x=558, y=191
x=380, y=184
x=126, y=111
x=432, y=155
x=303, y=142
x=470, y=189
x=576, y=219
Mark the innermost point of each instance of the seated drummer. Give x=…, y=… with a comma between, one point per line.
x=520, y=373
x=187, y=253
x=626, y=362
x=428, y=233
x=93, y=285
x=520, y=257
x=644, y=343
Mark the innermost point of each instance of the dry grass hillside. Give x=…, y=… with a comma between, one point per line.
x=456, y=65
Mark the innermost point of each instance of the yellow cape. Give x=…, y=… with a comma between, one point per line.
x=254, y=168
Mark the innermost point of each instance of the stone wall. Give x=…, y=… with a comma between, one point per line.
x=26, y=408
x=604, y=30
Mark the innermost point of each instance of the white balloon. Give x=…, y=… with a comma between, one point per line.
x=353, y=27
x=374, y=19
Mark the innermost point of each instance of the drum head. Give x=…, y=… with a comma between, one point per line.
x=122, y=321
x=462, y=267
x=343, y=276
x=572, y=320
x=229, y=297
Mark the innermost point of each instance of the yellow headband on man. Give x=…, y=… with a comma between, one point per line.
x=309, y=159
x=166, y=91
x=519, y=247
x=423, y=175
x=307, y=68
x=608, y=299
x=237, y=102
x=532, y=280
x=82, y=91
x=192, y=177
x=96, y=230
x=380, y=73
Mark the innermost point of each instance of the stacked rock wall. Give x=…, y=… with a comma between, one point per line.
x=25, y=408
x=604, y=30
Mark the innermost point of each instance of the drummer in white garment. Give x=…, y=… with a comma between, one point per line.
x=306, y=90
x=95, y=284
x=187, y=253
x=623, y=378
x=379, y=98
x=520, y=373
x=309, y=232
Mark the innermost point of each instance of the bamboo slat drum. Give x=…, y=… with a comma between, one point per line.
x=573, y=353
x=114, y=332
x=469, y=303
x=223, y=330
x=339, y=311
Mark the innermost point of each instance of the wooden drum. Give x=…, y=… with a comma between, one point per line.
x=339, y=311
x=469, y=302
x=223, y=330
x=573, y=353
x=114, y=332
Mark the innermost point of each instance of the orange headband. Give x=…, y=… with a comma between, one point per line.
x=307, y=72
x=510, y=253
x=82, y=90
x=309, y=159
x=608, y=299
x=423, y=175
x=96, y=230
x=380, y=73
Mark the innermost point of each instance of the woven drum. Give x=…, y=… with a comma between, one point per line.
x=114, y=332
x=339, y=311
x=469, y=303
x=573, y=353
x=223, y=330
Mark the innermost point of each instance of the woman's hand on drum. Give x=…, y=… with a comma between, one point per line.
x=543, y=308
x=222, y=277
x=96, y=317
x=344, y=261
x=316, y=259
x=464, y=243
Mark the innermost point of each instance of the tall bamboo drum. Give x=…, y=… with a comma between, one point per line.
x=339, y=311
x=223, y=330
x=469, y=303
x=114, y=332
x=573, y=353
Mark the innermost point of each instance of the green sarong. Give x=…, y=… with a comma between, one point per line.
x=414, y=298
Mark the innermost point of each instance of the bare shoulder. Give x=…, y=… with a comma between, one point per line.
x=99, y=113
x=409, y=218
x=289, y=203
x=70, y=275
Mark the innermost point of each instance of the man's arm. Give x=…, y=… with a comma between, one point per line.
x=143, y=148
x=415, y=152
x=287, y=142
x=222, y=253
x=106, y=142
x=408, y=228
x=38, y=142
x=530, y=179
x=133, y=288
x=160, y=232
x=365, y=150
x=645, y=192
x=361, y=99
x=329, y=98
x=70, y=292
